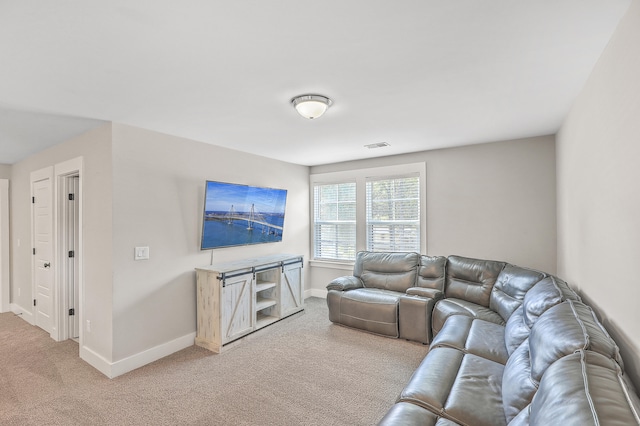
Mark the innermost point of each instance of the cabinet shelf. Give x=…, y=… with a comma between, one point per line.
x=264, y=285
x=263, y=320
x=264, y=303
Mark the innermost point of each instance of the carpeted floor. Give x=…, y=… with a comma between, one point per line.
x=300, y=371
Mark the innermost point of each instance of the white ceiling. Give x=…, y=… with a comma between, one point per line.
x=419, y=75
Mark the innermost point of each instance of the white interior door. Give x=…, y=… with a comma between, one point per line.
x=43, y=253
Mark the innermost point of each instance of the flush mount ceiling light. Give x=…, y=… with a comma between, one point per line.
x=311, y=106
x=377, y=145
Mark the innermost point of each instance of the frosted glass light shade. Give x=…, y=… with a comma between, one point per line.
x=311, y=106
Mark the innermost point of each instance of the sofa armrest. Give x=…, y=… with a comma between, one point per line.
x=345, y=283
x=430, y=293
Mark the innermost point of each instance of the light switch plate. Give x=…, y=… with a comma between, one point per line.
x=141, y=253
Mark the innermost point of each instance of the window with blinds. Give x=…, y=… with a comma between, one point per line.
x=335, y=221
x=393, y=214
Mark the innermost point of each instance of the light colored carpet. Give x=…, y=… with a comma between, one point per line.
x=300, y=371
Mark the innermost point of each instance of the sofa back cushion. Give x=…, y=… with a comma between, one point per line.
x=431, y=272
x=471, y=279
x=544, y=295
x=584, y=388
x=562, y=330
x=565, y=329
x=512, y=284
x=517, y=387
x=515, y=330
x=387, y=271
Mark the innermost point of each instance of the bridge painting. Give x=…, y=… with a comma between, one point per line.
x=241, y=214
x=252, y=218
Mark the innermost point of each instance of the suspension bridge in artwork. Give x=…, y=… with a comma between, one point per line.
x=252, y=217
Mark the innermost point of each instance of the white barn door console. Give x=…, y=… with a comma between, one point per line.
x=237, y=298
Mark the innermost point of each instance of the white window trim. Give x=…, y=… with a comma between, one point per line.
x=360, y=176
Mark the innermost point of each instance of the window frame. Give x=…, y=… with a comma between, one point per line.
x=360, y=177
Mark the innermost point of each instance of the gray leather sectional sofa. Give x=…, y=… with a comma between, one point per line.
x=508, y=345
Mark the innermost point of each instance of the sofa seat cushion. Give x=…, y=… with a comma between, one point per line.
x=368, y=309
x=473, y=336
x=584, y=388
x=449, y=307
x=461, y=387
x=407, y=414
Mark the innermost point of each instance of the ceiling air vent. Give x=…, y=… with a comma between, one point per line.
x=376, y=145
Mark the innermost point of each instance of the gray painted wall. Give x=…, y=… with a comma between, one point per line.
x=158, y=195
x=490, y=201
x=5, y=171
x=598, y=148
x=95, y=148
x=144, y=188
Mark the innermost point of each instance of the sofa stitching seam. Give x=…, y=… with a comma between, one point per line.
x=586, y=388
x=585, y=334
x=370, y=302
x=627, y=397
x=367, y=320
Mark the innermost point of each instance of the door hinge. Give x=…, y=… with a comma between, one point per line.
x=72, y=197
x=33, y=200
x=72, y=311
x=72, y=253
x=34, y=250
x=34, y=302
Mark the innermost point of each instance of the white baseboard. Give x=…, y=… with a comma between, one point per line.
x=96, y=361
x=115, y=369
x=23, y=313
x=146, y=357
x=315, y=292
x=118, y=368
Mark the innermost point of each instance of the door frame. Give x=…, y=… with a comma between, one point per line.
x=5, y=277
x=62, y=172
x=37, y=176
x=71, y=241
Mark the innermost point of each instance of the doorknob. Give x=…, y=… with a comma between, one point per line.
x=47, y=265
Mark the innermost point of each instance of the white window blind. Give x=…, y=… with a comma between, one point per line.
x=393, y=213
x=335, y=221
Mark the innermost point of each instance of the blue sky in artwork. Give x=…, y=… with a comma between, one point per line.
x=220, y=196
